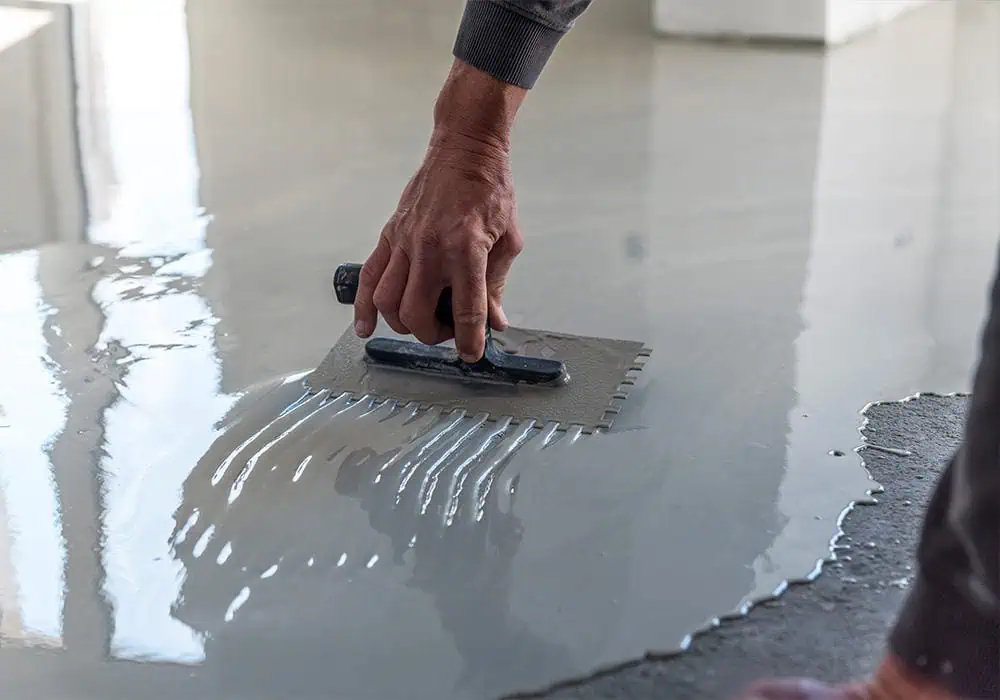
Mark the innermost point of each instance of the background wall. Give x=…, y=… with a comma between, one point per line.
x=823, y=21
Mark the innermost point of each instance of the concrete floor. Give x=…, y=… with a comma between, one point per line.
x=794, y=234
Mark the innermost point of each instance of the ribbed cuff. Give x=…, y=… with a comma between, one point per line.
x=941, y=637
x=511, y=47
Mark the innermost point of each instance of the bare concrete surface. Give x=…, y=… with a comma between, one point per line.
x=795, y=233
x=833, y=629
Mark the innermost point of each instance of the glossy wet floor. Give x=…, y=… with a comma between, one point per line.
x=794, y=234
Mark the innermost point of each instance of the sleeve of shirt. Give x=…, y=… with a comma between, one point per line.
x=512, y=40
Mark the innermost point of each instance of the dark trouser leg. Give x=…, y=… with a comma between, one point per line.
x=949, y=629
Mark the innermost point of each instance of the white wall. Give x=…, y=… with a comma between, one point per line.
x=821, y=21
x=845, y=19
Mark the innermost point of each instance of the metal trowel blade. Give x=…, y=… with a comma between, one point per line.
x=602, y=372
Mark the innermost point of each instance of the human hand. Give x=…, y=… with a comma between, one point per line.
x=455, y=224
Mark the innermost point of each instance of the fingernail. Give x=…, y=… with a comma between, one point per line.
x=363, y=329
x=469, y=359
x=503, y=318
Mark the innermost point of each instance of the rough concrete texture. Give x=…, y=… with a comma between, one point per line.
x=834, y=628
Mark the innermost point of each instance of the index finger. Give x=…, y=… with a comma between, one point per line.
x=469, y=306
x=365, y=313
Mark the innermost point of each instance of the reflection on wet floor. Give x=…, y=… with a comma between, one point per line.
x=435, y=491
x=794, y=234
x=341, y=498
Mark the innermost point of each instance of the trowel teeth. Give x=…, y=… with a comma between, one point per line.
x=629, y=380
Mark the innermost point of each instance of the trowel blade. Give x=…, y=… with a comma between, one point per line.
x=601, y=372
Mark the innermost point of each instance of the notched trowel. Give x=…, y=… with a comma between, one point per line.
x=527, y=375
x=495, y=366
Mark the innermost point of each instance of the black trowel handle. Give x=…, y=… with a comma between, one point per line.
x=345, y=282
x=345, y=286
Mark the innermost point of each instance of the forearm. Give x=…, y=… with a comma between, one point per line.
x=475, y=108
x=501, y=48
x=512, y=40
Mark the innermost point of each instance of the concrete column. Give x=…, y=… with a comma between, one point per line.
x=828, y=22
x=40, y=191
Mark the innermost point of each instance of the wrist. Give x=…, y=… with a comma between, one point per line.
x=475, y=107
x=469, y=157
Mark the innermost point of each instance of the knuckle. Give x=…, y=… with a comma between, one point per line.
x=467, y=260
x=395, y=324
x=427, y=248
x=430, y=239
x=467, y=238
x=383, y=302
x=515, y=244
x=408, y=316
x=454, y=249
x=470, y=317
x=368, y=275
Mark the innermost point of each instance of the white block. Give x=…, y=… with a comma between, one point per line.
x=845, y=19
x=827, y=22
x=17, y=24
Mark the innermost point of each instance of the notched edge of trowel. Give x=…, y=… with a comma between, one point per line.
x=606, y=422
x=621, y=394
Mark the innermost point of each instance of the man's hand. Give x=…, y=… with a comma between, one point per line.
x=455, y=224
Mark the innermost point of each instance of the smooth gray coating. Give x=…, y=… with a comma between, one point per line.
x=796, y=233
x=601, y=372
x=835, y=628
x=485, y=521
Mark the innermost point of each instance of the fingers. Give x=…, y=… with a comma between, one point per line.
x=389, y=292
x=416, y=312
x=365, y=311
x=495, y=314
x=469, y=305
x=498, y=265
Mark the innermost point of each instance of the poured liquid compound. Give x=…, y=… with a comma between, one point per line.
x=356, y=504
x=796, y=234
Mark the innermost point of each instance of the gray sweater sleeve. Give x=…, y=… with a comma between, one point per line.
x=513, y=39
